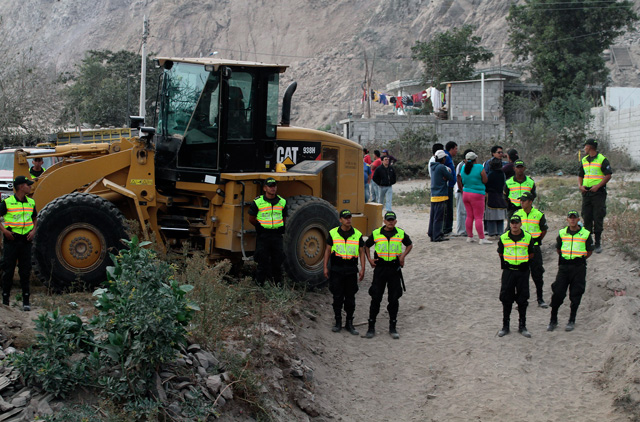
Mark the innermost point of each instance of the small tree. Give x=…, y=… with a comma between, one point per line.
x=103, y=86
x=451, y=55
x=565, y=40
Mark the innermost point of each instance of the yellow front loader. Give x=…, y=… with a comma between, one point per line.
x=190, y=179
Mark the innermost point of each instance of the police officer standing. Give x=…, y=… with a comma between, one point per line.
x=388, y=259
x=515, y=248
x=593, y=177
x=344, y=247
x=268, y=213
x=535, y=223
x=20, y=218
x=574, y=246
x=516, y=186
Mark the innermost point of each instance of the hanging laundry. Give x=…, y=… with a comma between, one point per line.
x=436, y=100
x=383, y=99
x=392, y=100
x=399, y=102
x=417, y=98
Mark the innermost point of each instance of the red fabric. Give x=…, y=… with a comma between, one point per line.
x=377, y=163
x=399, y=102
x=367, y=159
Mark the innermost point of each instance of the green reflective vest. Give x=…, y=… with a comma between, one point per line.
x=345, y=248
x=516, y=189
x=33, y=176
x=574, y=246
x=270, y=216
x=531, y=222
x=592, y=170
x=388, y=249
x=18, y=217
x=516, y=253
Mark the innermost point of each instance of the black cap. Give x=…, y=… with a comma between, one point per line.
x=345, y=214
x=519, y=163
x=390, y=215
x=573, y=214
x=20, y=180
x=526, y=196
x=270, y=182
x=516, y=219
x=591, y=142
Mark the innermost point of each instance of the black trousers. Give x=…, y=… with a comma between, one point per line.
x=343, y=287
x=436, y=218
x=269, y=255
x=448, y=214
x=594, y=209
x=514, y=288
x=574, y=278
x=537, y=270
x=385, y=276
x=17, y=251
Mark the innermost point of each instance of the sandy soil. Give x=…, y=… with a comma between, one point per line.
x=449, y=364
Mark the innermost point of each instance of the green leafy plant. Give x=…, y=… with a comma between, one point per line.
x=62, y=355
x=144, y=313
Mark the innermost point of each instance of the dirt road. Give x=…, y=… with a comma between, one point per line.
x=449, y=365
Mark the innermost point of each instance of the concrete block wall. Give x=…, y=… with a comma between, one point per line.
x=466, y=99
x=622, y=129
x=384, y=129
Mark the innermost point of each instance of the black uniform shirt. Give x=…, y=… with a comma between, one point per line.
x=575, y=261
x=388, y=234
x=253, y=210
x=336, y=261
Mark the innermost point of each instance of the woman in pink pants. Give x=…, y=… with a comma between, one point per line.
x=471, y=180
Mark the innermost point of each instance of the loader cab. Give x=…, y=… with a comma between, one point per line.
x=216, y=116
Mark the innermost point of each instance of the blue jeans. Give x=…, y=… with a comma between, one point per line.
x=386, y=192
x=375, y=194
x=366, y=192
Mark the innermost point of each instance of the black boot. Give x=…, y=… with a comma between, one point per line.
x=336, y=328
x=5, y=299
x=25, y=302
x=522, y=327
x=350, y=328
x=505, y=329
x=371, y=332
x=392, y=330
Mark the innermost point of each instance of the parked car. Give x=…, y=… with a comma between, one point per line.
x=6, y=167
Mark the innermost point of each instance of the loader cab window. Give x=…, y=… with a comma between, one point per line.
x=191, y=105
x=273, y=85
x=240, y=106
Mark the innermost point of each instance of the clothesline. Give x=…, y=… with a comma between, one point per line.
x=437, y=98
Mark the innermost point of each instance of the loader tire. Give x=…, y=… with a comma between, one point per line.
x=305, y=239
x=75, y=234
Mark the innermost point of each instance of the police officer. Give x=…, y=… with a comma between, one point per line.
x=574, y=246
x=535, y=223
x=268, y=213
x=36, y=169
x=388, y=259
x=515, y=248
x=20, y=218
x=593, y=177
x=516, y=186
x=344, y=247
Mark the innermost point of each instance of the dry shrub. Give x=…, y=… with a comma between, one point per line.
x=626, y=226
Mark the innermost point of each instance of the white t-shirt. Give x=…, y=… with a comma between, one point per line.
x=458, y=170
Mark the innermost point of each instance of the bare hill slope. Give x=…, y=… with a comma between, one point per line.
x=322, y=40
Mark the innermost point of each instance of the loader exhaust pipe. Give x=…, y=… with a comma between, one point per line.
x=286, y=104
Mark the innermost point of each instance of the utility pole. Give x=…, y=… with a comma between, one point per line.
x=143, y=68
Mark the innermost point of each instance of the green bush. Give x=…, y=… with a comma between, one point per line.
x=61, y=357
x=144, y=312
x=543, y=164
x=413, y=145
x=142, y=319
x=406, y=170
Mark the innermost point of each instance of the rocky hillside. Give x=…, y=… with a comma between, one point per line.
x=322, y=40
